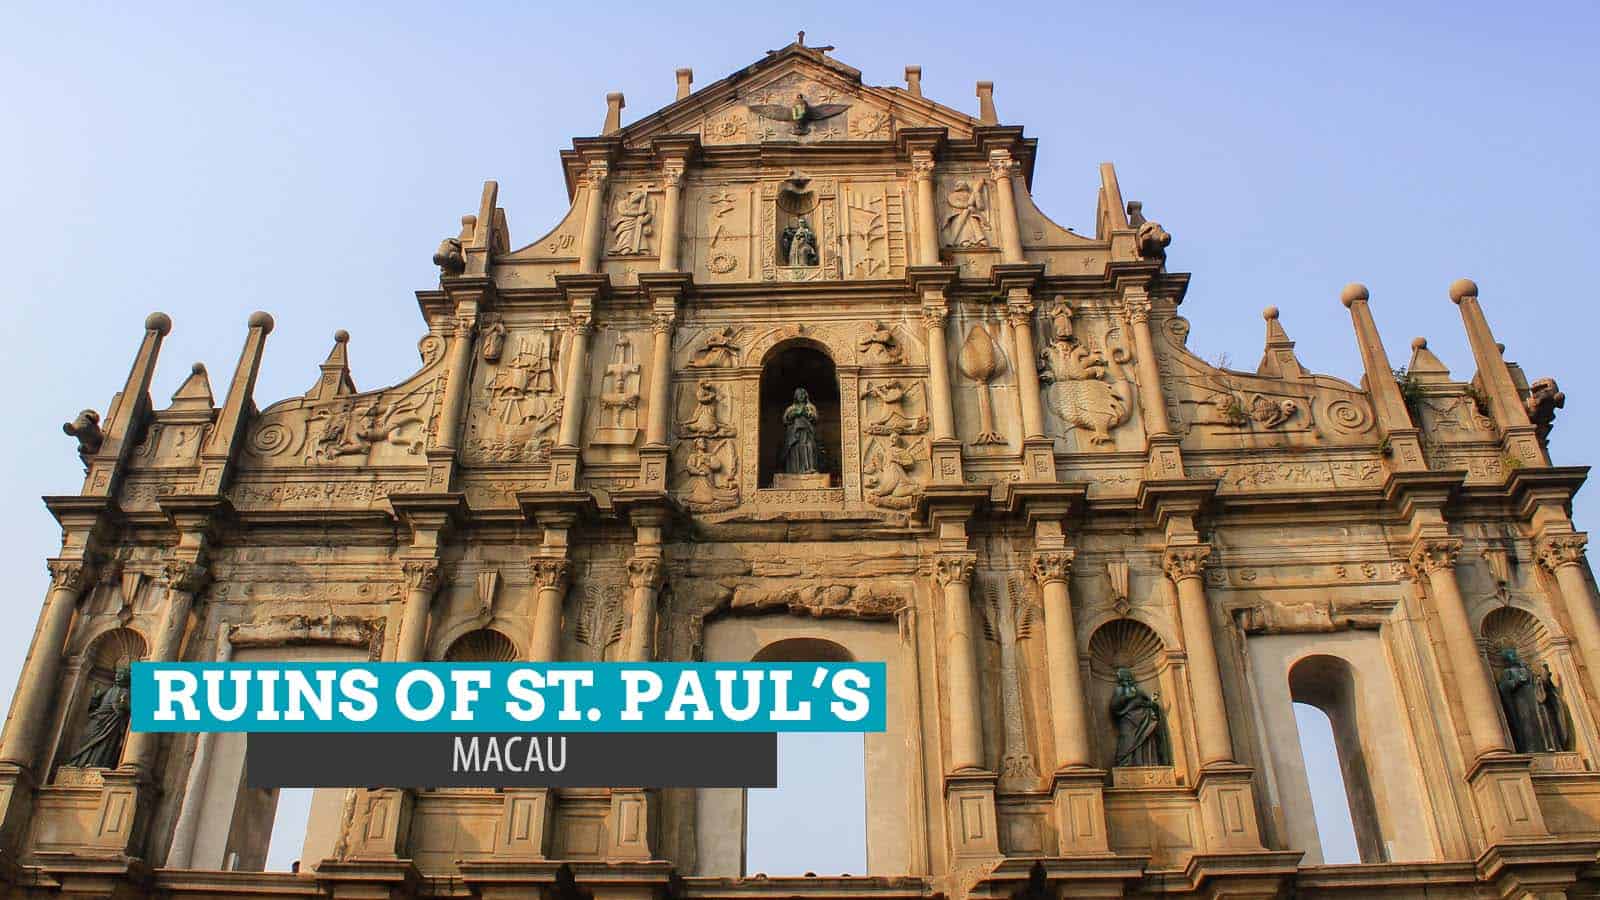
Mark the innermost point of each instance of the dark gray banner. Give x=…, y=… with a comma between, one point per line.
x=281, y=760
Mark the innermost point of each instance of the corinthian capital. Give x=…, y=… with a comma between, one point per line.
x=187, y=577
x=672, y=173
x=582, y=324
x=1052, y=565
x=934, y=316
x=1559, y=550
x=1137, y=309
x=645, y=572
x=662, y=320
x=421, y=574
x=999, y=165
x=550, y=571
x=922, y=165
x=68, y=574
x=1431, y=555
x=950, y=568
x=1020, y=313
x=1186, y=562
x=596, y=174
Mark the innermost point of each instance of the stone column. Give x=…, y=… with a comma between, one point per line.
x=672, y=176
x=422, y=582
x=1435, y=559
x=1562, y=555
x=645, y=577
x=1152, y=405
x=1019, y=310
x=37, y=687
x=590, y=243
x=954, y=574
x=455, y=396
x=1053, y=568
x=940, y=405
x=927, y=222
x=184, y=580
x=1388, y=406
x=1005, y=203
x=550, y=579
x=658, y=419
x=1185, y=565
x=181, y=854
x=1494, y=377
x=577, y=374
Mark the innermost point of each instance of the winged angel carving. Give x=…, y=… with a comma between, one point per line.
x=799, y=113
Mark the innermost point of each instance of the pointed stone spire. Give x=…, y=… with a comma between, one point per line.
x=1279, y=360
x=195, y=392
x=614, y=104
x=914, y=80
x=335, y=380
x=986, y=113
x=685, y=82
x=1424, y=367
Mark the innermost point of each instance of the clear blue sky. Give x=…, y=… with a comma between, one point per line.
x=305, y=159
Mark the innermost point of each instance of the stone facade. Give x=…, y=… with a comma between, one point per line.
x=1027, y=485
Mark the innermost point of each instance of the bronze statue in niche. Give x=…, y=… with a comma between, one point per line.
x=800, y=435
x=799, y=245
x=109, y=713
x=1141, y=732
x=1533, y=707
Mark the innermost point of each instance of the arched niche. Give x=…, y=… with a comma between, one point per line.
x=96, y=669
x=791, y=365
x=1131, y=644
x=1510, y=628
x=1329, y=683
x=482, y=645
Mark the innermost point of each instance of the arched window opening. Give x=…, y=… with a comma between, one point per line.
x=1329, y=798
x=1328, y=684
x=794, y=368
x=815, y=820
x=289, y=824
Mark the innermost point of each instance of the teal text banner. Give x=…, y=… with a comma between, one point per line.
x=508, y=697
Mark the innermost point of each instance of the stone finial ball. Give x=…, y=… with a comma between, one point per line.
x=197, y=369
x=159, y=322
x=1353, y=292
x=261, y=320
x=341, y=336
x=1269, y=313
x=1462, y=288
x=1420, y=343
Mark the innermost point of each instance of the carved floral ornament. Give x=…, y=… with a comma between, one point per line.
x=949, y=568
x=1183, y=563
x=1560, y=550
x=1431, y=555
x=1052, y=565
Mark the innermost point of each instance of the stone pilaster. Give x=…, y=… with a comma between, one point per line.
x=422, y=578
x=591, y=240
x=1165, y=459
x=922, y=168
x=184, y=580
x=1185, y=565
x=40, y=671
x=1434, y=559
x=551, y=577
x=1562, y=554
x=953, y=572
x=646, y=574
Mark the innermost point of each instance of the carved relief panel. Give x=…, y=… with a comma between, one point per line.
x=720, y=227
x=515, y=405
x=1087, y=376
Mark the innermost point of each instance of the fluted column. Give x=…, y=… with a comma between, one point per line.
x=1005, y=203
x=1562, y=555
x=30, y=708
x=954, y=571
x=422, y=582
x=577, y=374
x=644, y=577
x=1019, y=311
x=455, y=395
x=1152, y=405
x=1185, y=565
x=1053, y=568
x=672, y=176
x=940, y=405
x=590, y=244
x=184, y=580
x=1435, y=559
x=662, y=321
x=927, y=222
x=550, y=579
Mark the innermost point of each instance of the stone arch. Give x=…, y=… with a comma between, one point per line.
x=482, y=645
x=1331, y=684
x=790, y=365
x=803, y=649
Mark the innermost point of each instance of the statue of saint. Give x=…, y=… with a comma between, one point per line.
x=1533, y=706
x=800, y=435
x=800, y=244
x=1141, y=735
x=109, y=712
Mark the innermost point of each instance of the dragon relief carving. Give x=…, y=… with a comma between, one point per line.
x=1082, y=394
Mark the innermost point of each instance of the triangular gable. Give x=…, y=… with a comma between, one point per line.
x=721, y=113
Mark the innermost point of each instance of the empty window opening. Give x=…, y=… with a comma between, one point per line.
x=1328, y=796
x=289, y=829
x=1327, y=716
